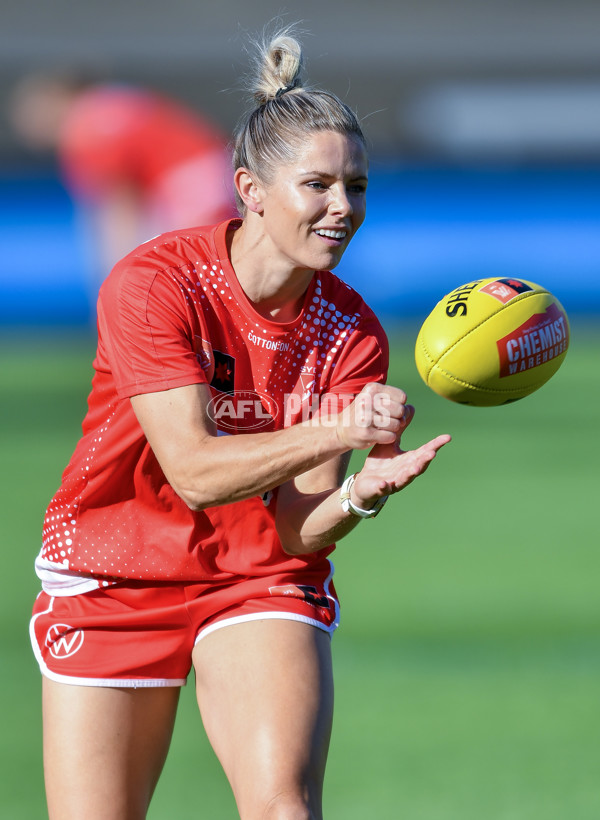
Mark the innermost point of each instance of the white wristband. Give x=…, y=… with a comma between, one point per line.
x=349, y=507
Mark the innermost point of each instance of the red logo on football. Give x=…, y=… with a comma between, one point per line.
x=540, y=339
x=503, y=293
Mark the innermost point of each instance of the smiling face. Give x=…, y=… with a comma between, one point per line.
x=314, y=205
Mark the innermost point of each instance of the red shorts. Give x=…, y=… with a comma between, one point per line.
x=138, y=634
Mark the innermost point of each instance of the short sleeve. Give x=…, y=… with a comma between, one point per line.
x=147, y=332
x=364, y=359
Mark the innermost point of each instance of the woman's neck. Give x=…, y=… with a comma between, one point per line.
x=275, y=292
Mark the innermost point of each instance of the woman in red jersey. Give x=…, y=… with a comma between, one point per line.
x=195, y=521
x=135, y=162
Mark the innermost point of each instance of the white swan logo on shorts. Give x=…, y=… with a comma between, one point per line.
x=63, y=641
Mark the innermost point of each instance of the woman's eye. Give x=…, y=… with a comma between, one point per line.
x=317, y=185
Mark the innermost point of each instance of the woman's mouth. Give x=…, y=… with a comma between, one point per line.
x=335, y=235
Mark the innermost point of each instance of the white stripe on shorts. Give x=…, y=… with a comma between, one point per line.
x=132, y=683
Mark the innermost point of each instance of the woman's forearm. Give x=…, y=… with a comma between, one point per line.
x=233, y=468
x=311, y=522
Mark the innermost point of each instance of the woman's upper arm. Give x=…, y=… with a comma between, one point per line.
x=177, y=426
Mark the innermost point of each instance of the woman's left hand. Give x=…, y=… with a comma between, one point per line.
x=388, y=468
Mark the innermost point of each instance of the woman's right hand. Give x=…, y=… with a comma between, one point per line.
x=378, y=415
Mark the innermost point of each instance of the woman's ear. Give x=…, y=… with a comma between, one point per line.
x=250, y=193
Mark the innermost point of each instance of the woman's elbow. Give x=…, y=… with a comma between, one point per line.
x=194, y=494
x=200, y=494
x=193, y=499
x=295, y=548
x=291, y=541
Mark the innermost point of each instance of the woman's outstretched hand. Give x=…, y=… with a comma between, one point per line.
x=388, y=468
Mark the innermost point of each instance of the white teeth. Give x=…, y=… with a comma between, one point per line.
x=332, y=234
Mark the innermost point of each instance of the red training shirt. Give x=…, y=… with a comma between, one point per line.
x=173, y=313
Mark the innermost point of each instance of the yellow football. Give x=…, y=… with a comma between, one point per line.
x=492, y=341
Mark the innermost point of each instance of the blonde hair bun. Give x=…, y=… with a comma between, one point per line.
x=279, y=65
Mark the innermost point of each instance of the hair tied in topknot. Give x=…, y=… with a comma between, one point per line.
x=284, y=89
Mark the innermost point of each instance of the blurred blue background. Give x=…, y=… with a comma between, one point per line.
x=429, y=229
x=483, y=120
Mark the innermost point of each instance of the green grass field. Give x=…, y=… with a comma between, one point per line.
x=468, y=662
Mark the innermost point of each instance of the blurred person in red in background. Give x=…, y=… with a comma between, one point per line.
x=135, y=162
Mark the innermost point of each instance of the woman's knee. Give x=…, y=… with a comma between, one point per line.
x=285, y=805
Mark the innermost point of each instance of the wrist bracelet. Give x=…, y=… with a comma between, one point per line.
x=349, y=507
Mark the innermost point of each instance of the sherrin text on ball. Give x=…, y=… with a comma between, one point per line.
x=492, y=341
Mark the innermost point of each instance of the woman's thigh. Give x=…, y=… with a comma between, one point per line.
x=265, y=692
x=104, y=748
